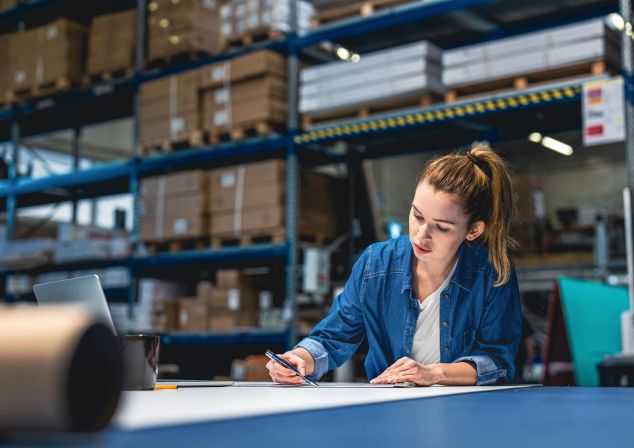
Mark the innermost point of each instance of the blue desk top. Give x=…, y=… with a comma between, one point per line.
x=533, y=417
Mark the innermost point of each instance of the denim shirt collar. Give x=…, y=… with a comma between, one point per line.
x=463, y=274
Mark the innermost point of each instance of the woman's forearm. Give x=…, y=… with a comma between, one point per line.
x=457, y=374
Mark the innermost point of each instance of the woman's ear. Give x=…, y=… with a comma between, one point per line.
x=476, y=229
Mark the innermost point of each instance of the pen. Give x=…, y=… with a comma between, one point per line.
x=290, y=367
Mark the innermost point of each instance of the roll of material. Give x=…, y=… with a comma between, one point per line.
x=60, y=369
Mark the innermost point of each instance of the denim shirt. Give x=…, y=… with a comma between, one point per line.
x=479, y=322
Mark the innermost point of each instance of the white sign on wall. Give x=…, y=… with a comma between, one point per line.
x=603, y=112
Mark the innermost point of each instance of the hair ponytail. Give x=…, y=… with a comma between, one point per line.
x=482, y=183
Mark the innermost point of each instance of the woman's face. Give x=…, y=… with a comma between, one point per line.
x=437, y=225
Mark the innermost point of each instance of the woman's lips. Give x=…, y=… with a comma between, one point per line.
x=421, y=249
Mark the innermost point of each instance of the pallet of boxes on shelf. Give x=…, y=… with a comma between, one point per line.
x=404, y=76
x=181, y=30
x=243, y=23
x=7, y=4
x=111, y=45
x=245, y=97
x=169, y=113
x=45, y=60
x=248, y=205
x=581, y=49
x=76, y=242
x=334, y=10
x=174, y=211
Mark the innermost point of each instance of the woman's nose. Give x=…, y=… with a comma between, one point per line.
x=423, y=231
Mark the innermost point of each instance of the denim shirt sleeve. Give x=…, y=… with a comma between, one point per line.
x=499, y=334
x=334, y=340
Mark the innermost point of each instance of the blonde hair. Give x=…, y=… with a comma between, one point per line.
x=481, y=181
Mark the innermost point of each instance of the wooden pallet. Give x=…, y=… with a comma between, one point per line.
x=165, y=61
x=530, y=80
x=353, y=9
x=181, y=140
x=107, y=75
x=156, y=247
x=247, y=38
x=310, y=120
x=62, y=83
x=243, y=131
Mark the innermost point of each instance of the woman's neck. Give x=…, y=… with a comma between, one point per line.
x=434, y=272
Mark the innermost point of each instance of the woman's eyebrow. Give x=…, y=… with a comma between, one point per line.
x=445, y=221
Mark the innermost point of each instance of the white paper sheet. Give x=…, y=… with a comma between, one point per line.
x=144, y=409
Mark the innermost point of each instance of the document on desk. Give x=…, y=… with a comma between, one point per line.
x=322, y=384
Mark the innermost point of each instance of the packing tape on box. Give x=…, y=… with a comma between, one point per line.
x=173, y=98
x=227, y=89
x=239, y=201
x=159, y=216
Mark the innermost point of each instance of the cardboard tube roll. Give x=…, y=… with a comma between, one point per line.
x=60, y=369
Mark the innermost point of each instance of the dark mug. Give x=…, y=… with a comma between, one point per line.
x=140, y=361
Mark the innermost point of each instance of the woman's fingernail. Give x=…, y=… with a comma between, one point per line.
x=390, y=379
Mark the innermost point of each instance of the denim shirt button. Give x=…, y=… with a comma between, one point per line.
x=444, y=323
x=446, y=349
x=445, y=296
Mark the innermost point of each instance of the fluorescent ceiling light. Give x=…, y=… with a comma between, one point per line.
x=343, y=54
x=615, y=21
x=535, y=137
x=557, y=146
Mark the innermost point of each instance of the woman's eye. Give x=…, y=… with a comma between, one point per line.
x=420, y=218
x=443, y=229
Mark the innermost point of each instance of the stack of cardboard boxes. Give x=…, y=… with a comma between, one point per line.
x=244, y=92
x=168, y=109
x=240, y=94
x=174, y=206
x=251, y=199
x=111, y=43
x=50, y=54
x=180, y=27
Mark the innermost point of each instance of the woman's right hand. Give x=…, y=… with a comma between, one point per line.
x=300, y=358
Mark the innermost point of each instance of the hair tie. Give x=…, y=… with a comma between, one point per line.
x=484, y=167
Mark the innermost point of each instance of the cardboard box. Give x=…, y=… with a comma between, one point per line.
x=230, y=278
x=223, y=320
x=46, y=54
x=240, y=300
x=252, y=65
x=182, y=27
x=193, y=314
x=168, y=204
x=165, y=315
x=7, y=4
x=169, y=107
x=111, y=42
x=203, y=291
x=181, y=225
x=252, y=368
x=174, y=184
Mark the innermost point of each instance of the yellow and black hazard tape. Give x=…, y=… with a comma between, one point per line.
x=435, y=114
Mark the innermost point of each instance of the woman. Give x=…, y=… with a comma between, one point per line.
x=439, y=307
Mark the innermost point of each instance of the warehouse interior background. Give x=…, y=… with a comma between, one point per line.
x=220, y=164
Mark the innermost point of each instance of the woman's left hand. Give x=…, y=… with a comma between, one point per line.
x=406, y=369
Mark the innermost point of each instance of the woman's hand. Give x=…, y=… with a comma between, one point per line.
x=406, y=369
x=300, y=358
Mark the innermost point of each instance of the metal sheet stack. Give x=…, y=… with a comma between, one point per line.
x=381, y=76
x=252, y=17
x=529, y=53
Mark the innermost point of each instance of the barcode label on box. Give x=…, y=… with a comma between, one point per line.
x=234, y=299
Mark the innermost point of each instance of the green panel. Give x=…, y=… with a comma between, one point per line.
x=592, y=312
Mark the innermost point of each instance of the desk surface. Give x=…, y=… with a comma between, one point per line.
x=524, y=417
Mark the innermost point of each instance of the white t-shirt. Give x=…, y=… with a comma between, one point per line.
x=426, y=345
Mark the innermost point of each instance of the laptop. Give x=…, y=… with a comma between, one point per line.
x=86, y=290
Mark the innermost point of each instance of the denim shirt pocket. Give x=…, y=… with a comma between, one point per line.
x=468, y=341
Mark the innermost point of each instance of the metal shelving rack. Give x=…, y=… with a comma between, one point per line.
x=381, y=30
